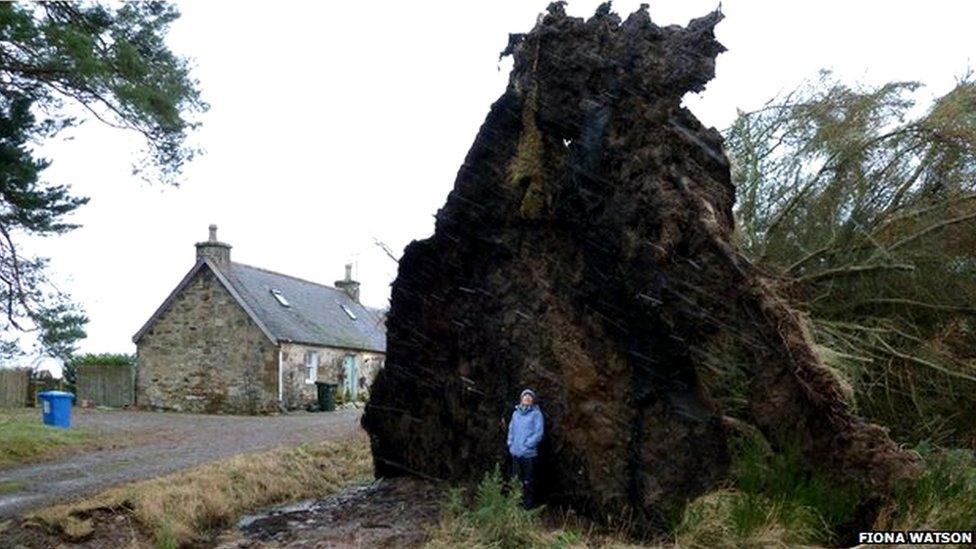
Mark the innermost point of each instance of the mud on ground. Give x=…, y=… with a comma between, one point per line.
x=111, y=530
x=387, y=513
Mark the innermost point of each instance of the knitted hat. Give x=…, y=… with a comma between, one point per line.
x=529, y=392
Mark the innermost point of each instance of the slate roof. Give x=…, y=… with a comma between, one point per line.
x=314, y=314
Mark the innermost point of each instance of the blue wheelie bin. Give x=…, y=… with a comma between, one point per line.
x=56, y=406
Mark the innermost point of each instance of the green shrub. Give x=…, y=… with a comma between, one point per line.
x=109, y=359
x=494, y=517
x=70, y=367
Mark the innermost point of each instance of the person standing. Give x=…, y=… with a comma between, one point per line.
x=525, y=431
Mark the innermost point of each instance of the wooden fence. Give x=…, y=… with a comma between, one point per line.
x=107, y=384
x=14, y=387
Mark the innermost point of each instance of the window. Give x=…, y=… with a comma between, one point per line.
x=280, y=297
x=311, y=366
x=348, y=312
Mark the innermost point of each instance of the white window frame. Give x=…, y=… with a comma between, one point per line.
x=311, y=367
x=348, y=311
x=280, y=297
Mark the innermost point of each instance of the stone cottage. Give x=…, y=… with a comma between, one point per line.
x=232, y=338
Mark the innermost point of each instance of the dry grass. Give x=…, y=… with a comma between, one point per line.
x=23, y=438
x=190, y=506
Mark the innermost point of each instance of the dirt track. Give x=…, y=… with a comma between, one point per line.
x=156, y=443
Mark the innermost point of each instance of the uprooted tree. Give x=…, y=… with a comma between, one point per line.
x=585, y=251
x=866, y=205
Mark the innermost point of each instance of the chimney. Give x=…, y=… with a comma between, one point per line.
x=349, y=285
x=217, y=252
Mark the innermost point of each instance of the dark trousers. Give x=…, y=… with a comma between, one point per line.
x=525, y=471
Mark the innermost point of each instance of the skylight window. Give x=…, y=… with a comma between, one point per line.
x=280, y=297
x=349, y=313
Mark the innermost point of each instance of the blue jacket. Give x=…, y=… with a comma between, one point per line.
x=525, y=431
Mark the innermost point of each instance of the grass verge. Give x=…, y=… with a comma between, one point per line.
x=25, y=439
x=190, y=507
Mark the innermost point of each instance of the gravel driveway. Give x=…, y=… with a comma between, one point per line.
x=156, y=443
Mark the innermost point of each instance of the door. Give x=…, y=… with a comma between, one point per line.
x=352, y=375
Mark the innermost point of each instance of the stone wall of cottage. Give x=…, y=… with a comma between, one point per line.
x=299, y=393
x=204, y=354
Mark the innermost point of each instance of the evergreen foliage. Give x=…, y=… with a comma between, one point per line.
x=113, y=62
x=864, y=206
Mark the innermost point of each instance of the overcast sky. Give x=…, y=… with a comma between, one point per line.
x=336, y=123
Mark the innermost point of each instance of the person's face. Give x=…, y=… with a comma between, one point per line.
x=527, y=400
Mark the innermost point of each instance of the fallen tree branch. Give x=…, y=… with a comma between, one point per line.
x=911, y=303
x=921, y=361
x=851, y=270
x=932, y=228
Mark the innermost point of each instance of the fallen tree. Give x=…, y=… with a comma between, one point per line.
x=585, y=251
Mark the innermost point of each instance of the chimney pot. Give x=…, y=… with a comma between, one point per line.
x=348, y=285
x=216, y=251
